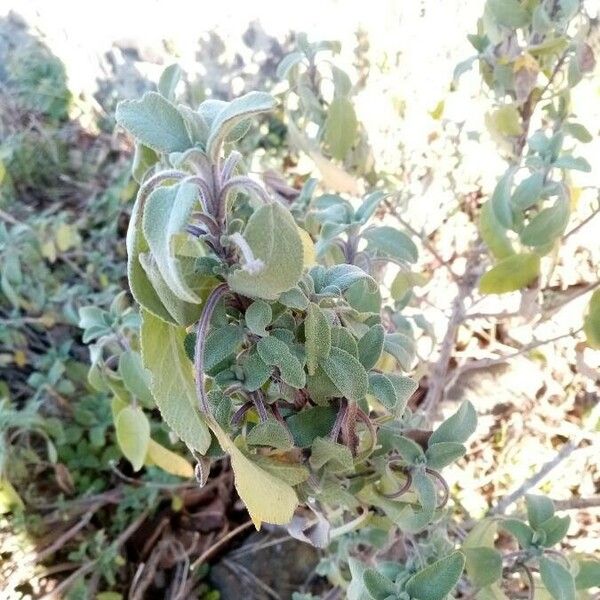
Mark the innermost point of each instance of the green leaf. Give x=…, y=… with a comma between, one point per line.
x=383, y=389
x=294, y=298
x=221, y=343
x=370, y=346
x=311, y=423
x=405, y=281
x=135, y=378
x=437, y=580
x=343, y=339
x=336, y=456
x=179, y=311
x=401, y=347
x=591, y=323
x=339, y=278
x=234, y=113
x=291, y=473
x=588, y=575
x=508, y=13
x=578, y=131
x=173, y=385
x=539, y=509
x=273, y=238
x=258, y=316
x=484, y=565
x=167, y=212
x=251, y=481
x=340, y=127
x=493, y=233
x=529, y=191
x=510, y=274
x=364, y=297
x=558, y=581
x=141, y=287
x=277, y=353
x=288, y=63
x=500, y=200
x=410, y=451
x=573, y=163
x=256, y=372
x=168, y=81
x=458, y=428
x=482, y=534
x=443, y=454
x=347, y=374
x=270, y=433
x=555, y=529
x=521, y=531
x=378, y=585
x=392, y=242
x=368, y=207
x=547, y=225
x=133, y=435
x=405, y=387
x=317, y=332
x=155, y=122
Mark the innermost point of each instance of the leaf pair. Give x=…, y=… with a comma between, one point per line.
x=434, y=582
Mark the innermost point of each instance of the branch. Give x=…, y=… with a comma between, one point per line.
x=565, y=451
x=577, y=503
x=484, y=363
x=439, y=374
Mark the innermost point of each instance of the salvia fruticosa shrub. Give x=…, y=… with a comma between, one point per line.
x=264, y=338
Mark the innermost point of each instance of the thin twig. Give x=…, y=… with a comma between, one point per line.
x=424, y=240
x=511, y=498
x=486, y=363
x=582, y=224
x=219, y=544
x=437, y=382
x=577, y=503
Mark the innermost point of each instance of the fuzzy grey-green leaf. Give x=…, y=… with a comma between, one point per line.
x=273, y=238
x=458, y=428
x=258, y=316
x=437, y=580
x=167, y=211
x=370, y=346
x=233, y=113
x=155, y=122
x=347, y=374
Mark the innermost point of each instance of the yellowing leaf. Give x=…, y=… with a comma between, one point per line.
x=66, y=237
x=20, y=358
x=438, y=111
x=168, y=461
x=133, y=435
x=308, y=247
x=591, y=323
x=49, y=251
x=506, y=121
x=9, y=499
x=526, y=61
x=510, y=274
x=267, y=498
x=173, y=385
x=386, y=363
x=116, y=406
